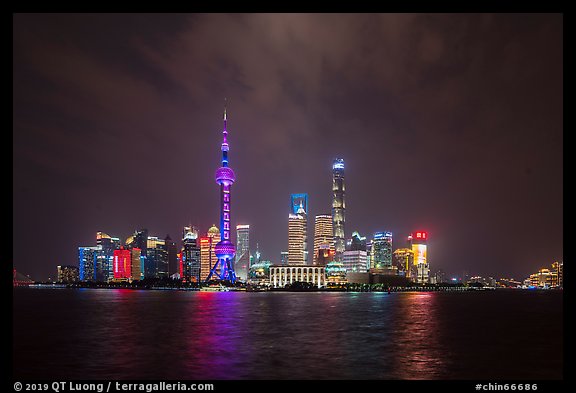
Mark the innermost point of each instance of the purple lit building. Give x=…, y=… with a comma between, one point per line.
x=223, y=269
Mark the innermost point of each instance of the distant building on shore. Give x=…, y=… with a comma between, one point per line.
x=280, y=276
x=67, y=274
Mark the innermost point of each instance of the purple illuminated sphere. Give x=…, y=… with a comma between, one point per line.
x=224, y=249
x=225, y=175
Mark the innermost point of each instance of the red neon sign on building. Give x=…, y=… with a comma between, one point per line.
x=122, y=264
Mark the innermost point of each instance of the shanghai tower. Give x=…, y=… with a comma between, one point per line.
x=338, y=207
x=224, y=249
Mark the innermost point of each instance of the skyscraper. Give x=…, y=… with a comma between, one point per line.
x=172, y=251
x=357, y=242
x=87, y=257
x=323, y=236
x=418, y=245
x=105, y=259
x=403, y=258
x=297, y=245
x=338, y=207
x=190, y=256
x=156, y=265
x=136, y=264
x=242, y=263
x=381, y=256
x=224, y=249
x=122, y=264
x=140, y=240
x=207, y=255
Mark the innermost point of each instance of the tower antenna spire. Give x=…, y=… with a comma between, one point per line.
x=225, y=251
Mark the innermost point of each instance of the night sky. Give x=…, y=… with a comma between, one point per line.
x=447, y=123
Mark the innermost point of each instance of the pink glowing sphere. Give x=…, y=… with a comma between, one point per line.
x=224, y=249
x=225, y=175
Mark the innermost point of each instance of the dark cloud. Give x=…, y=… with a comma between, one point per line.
x=450, y=123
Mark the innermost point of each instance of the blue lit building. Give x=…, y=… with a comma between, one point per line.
x=87, y=260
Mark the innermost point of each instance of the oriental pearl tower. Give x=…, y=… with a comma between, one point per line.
x=224, y=249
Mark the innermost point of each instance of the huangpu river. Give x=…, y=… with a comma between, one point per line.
x=180, y=335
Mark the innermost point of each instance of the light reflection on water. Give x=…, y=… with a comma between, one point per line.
x=125, y=334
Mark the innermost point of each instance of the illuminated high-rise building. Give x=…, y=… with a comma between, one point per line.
x=256, y=258
x=122, y=264
x=284, y=258
x=140, y=240
x=323, y=237
x=156, y=264
x=87, y=259
x=403, y=260
x=355, y=261
x=207, y=253
x=381, y=253
x=417, y=242
x=242, y=263
x=223, y=269
x=104, y=259
x=172, y=251
x=297, y=245
x=67, y=274
x=190, y=256
x=136, y=264
x=338, y=207
x=559, y=267
x=356, y=243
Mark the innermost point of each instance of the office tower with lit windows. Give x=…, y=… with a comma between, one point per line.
x=284, y=258
x=338, y=207
x=417, y=242
x=139, y=240
x=87, y=258
x=256, y=258
x=136, y=264
x=190, y=270
x=404, y=260
x=323, y=239
x=172, y=251
x=242, y=263
x=297, y=245
x=223, y=269
x=325, y=255
x=356, y=242
x=123, y=264
x=105, y=262
x=381, y=253
x=156, y=264
x=355, y=261
x=67, y=274
x=207, y=254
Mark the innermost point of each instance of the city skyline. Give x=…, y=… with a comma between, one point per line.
x=111, y=136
